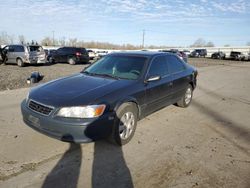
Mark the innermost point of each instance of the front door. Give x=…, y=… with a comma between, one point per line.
x=158, y=92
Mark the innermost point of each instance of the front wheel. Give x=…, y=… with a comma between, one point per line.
x=187, y=97
x=51, y=60
x=125, y=124
x=20, y=62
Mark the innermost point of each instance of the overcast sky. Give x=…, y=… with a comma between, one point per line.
x=166, y=22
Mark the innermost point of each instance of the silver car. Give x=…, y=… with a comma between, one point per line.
x=22, y=54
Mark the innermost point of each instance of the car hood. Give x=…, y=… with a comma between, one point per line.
x=75, y=90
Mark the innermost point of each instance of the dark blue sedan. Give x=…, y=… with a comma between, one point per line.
x=109, y=97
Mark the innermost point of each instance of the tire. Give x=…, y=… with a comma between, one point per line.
x=185, y=101
x=20, y=62
x=71, y=61
x=51, y=60
x=122, y=133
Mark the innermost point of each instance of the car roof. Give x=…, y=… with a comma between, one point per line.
x=139, y=53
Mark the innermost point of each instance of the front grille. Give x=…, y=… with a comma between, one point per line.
x=40, y=108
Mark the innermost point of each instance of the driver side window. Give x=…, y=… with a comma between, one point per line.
x=158, y=67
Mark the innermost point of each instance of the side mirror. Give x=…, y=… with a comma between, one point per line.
x=153, y=78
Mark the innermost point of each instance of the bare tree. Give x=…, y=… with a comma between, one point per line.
x=62, y=41
x=226, y=45
x=72, y=42
x=47, y=41
x=210, y=44
x=21, y=39
x=6, y=39
x=248, y=43
x=11, y=39
x=199, y=43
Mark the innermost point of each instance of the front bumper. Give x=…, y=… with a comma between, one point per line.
x=69, y=129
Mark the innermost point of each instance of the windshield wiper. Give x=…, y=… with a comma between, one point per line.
x=108, y=75
x=100, y=74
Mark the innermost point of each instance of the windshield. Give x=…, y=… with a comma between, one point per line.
x=124, y=67
x=35, y=48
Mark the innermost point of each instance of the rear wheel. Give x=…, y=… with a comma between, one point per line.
x=20, y=62
x=187, y=97
x=125, y=124
x=71, y=61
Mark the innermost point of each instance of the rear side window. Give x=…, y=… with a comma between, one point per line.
x=83, y=51
x=174, y=64
x=158, y=67
x=60, y=50
x=18, y=48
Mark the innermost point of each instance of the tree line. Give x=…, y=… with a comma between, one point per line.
x=49, y=41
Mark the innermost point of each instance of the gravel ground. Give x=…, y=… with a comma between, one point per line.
x=14, y=77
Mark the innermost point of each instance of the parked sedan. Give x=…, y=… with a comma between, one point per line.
x=218, y=55
x=109, y=97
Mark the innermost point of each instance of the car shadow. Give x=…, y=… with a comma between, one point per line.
x=109, y=168
x=67, y=170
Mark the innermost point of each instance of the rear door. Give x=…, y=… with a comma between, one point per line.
x=159, y=92
x=180, y=78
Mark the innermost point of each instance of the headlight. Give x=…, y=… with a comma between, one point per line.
x=82, y=111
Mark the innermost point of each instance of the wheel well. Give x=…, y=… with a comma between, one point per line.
x=131, y=103
x=18, y=58
x=192, y=84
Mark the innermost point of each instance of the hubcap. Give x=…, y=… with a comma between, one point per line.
x=126, y=125
x=71, y=61
x=188, y=95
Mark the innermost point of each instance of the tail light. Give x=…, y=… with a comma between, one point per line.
x=78, y=54
x=26, y=54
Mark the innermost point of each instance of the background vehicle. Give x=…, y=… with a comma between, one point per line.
x=187, y=52
x=109, y=97
x=237, y=56
x=92, y=54
x=49, y=53
x=180, y=54
x=247, y=57
x=1, y=55
x=101, y=54
x=71, y=55
x=218, y=55
x=21, y=54
x=199, y=53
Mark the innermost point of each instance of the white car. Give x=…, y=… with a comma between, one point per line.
x=101, y=53
x=92, y=54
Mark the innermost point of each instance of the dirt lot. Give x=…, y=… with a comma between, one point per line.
x=205, y=145
x=13, y=77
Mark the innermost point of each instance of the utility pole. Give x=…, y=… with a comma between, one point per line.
x=53, y=38
x=143, y=37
